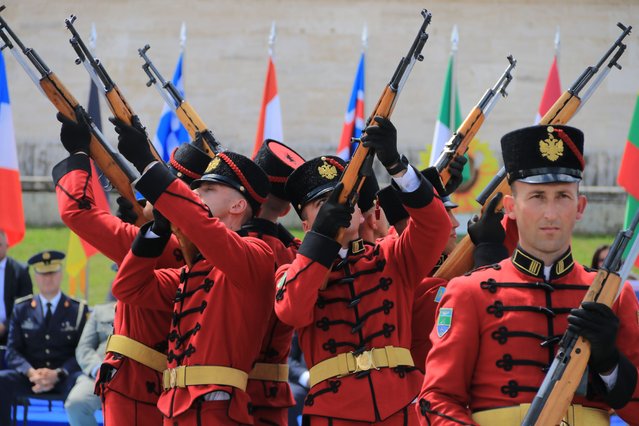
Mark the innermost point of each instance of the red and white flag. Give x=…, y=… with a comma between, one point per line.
x=11, y=211
x=552, y=91
x=269, y=125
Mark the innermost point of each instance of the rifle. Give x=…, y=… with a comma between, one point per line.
x=361, y=165
x=565, y=373
x=458, y=144
x=116, y=101
x=112, y=165
x=120, y=109
x=200, y=133
x=460, y=260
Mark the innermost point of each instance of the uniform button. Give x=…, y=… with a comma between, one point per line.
x=46, y=351
x=26, y=336
x=68, y=337
x=46, y=336
x=48, y=364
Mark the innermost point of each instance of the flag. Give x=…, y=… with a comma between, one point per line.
x=552, y=90
x=628, y=176
x=170, y=132
x=449, y=110
x=11, y=211
x=354, y=117
x=269, y=125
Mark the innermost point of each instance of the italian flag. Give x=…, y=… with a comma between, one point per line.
x=628, y=176
x=11, y=210
x=449, y=112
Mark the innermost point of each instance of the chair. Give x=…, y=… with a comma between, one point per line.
x=24, y=402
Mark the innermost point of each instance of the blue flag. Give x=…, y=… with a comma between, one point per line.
x=170, y=132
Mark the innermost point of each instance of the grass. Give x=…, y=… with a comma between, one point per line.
x=100, y=274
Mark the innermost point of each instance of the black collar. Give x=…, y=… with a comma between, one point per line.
x=530, y=265
x=259, y=226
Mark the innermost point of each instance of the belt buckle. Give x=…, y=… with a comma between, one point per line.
x=172, y=378
x=364, y=361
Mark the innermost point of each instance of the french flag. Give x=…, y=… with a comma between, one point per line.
x=11, y=210
x=354, y=117
x=269, y=125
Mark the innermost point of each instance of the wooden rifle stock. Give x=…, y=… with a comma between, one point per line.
x=360, y=165
x=560, y=113
x=190, y=119
x=458, y=144
x=564, y=389
x=466, y=132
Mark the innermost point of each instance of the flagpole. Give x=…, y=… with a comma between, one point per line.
x=454, y=40
x=93, y=38
x=364, y=47
x=271, y=40
x=557, y=45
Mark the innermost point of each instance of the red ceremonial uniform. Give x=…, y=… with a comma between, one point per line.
x=367, y=304
x=497, y=331
x=149, y=326
x=271, y=399
x=222, y=305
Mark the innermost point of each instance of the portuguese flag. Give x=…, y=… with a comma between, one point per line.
x=629, y=171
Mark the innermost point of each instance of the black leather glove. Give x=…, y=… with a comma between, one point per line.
x=75, y=136
x=332, y=215
x=161, y=225
x=488, y=228
x=455, y=169
x=125, y=211
x=133, y=143
x=383, y=139
x=598, y=324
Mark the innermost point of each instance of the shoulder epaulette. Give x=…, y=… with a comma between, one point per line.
x=23, y=299
x=77, y=300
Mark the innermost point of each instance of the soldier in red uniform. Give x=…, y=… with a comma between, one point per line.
x=221, y=309
x=268, y=381
x=351, y=305
x=497, y=328
x=138, y=353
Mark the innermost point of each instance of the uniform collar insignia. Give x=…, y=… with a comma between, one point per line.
x=356, y=246
x=530, y=265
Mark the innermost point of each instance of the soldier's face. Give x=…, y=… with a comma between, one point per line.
x=452, y=237
x=48, y=283
x=221, y=199
x=546, y=215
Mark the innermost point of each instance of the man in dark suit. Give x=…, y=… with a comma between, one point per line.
x=14, y=282
x=43, y=334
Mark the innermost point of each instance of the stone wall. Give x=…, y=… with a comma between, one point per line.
x=316, y=54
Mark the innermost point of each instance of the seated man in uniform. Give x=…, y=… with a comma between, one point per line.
x=498, y=328
x=43, y=334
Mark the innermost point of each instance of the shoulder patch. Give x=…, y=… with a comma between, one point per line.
x=444, y=321
x=440, y=294
x=23, y=299
x=281, y=282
